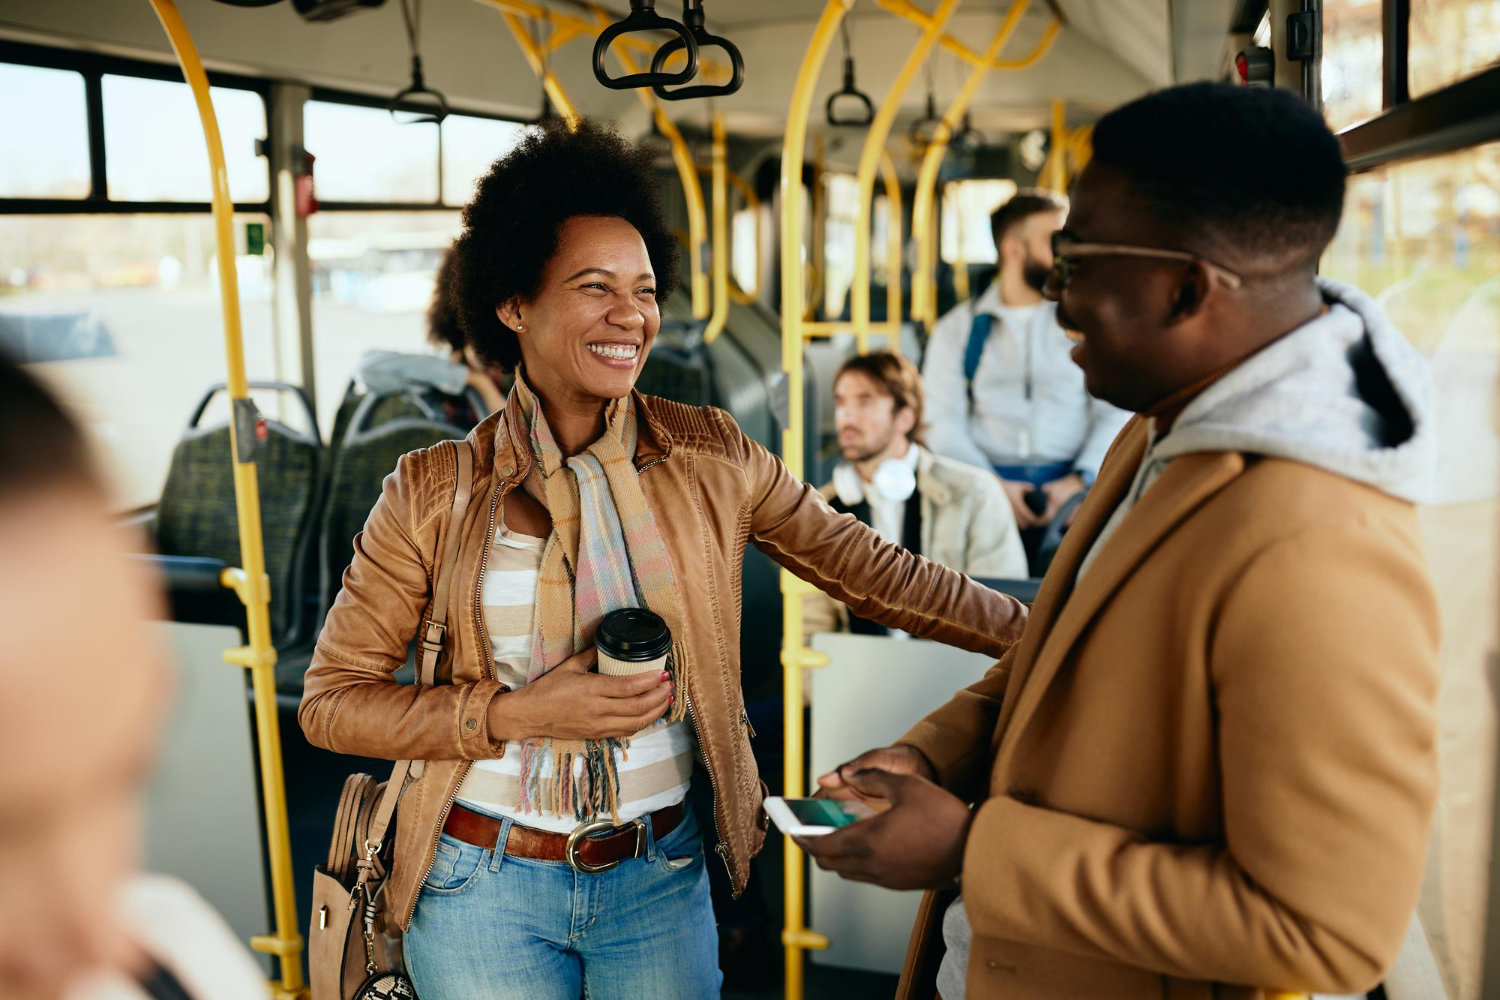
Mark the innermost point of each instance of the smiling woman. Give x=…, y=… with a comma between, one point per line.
x=598, y=498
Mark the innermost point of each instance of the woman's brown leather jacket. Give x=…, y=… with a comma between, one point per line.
x=712, y=490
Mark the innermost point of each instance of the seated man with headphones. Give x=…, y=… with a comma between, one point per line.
x=953, y=514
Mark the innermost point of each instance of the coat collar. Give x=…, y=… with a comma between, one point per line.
x=1063, y=611
x=500, y=451
x=932, y=489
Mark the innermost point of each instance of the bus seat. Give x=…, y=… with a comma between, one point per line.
x=1022, y=590
x=196, y=514
x=678, y=367
x=369, y=453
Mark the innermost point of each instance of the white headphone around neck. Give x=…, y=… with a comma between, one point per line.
x=894, y=482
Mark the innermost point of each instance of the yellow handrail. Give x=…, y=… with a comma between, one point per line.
x=932, y=160
x=752, y=202
x=536, y=56
x=251, y=584
x=720, y=189
x=692, y=191
x=869, y=157
x=893, y=259
x=919, y=17
x=1056, y=170
x=795, y=935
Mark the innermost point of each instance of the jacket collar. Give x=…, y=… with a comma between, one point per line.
x=1062, y=613
x=929, y=486
x=500, y=445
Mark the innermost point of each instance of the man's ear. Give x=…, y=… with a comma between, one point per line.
x=906, y=421
x=1190, y=293
x=509, y=313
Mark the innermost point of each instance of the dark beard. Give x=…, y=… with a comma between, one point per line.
x=1035, y=273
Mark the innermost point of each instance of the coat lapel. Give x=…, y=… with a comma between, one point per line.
x=1187, y=482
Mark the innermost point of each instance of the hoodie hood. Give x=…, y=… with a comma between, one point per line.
x=1344, y=392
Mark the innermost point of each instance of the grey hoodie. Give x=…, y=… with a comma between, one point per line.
x=1343, y=392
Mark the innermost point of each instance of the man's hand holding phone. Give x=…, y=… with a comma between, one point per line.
x=899, y=759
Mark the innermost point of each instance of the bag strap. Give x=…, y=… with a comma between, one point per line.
x=979, y=335
x=434, y=636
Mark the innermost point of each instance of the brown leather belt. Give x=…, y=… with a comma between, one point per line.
x=593, y=847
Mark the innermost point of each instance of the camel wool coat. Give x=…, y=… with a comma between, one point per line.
x=1209, y=769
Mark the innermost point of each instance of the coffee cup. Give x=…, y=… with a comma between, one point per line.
x=632, y=641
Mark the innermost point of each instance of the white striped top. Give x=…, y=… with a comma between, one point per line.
x=655, y=770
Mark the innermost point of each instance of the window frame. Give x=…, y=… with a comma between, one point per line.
x=328, y=95
x=93, y=67
x=1462, y=114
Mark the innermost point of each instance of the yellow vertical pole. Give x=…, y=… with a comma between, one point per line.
x=1057, y=163
x=869, y=157
x=893, y=256
x=932, y=160
x=719, y=186
x=251, y=583
x=817, y=241
x=539, y=66
x=794, y=657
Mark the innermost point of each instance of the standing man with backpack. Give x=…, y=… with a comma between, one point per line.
x=1005, y=394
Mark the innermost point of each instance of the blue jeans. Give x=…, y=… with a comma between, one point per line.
x=498, y=927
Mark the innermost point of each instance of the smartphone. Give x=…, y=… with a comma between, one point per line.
x=814, y=817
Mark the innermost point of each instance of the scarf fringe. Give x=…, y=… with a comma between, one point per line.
x=594, y=792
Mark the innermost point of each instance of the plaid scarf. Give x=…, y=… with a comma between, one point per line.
x=604, y=553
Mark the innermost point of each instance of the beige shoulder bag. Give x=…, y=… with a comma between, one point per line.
x=354, y=946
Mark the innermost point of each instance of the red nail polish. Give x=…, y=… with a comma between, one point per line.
x=671, y=698
x=665, y=676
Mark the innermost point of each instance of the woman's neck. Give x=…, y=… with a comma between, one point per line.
x=576, y=421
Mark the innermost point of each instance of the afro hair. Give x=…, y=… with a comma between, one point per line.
x=510, y=229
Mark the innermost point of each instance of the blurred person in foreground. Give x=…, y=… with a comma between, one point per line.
x=952, y=513
x=1208, y=768
x=83, y=692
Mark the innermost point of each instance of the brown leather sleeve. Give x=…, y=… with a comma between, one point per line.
x=792, y=523
x=350, y=701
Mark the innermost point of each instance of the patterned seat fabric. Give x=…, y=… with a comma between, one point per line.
x=196, y=515
x=358, y=472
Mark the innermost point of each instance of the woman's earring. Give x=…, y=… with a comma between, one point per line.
x=520, y=327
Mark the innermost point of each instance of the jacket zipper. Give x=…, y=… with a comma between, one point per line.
x=722, y=847
x=489, y=669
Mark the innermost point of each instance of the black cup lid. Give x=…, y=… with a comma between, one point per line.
x=633, y=635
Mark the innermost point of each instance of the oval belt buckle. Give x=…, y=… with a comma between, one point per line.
x=576, y=838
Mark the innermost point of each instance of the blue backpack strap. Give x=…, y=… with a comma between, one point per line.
x=979, y=335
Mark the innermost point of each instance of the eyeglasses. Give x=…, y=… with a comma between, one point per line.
x=1065, y=255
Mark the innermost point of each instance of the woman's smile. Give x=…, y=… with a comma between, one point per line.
x=616, y=354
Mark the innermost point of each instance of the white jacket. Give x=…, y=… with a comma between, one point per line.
x=1061, y=422
x=967, y=525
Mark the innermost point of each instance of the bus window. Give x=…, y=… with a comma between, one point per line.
x=470, y=146
x=372, y=275
x=744, y=252
x=46, y=135
x=966, y=219
x=364, y=155
x=1353, y=57
x=150, y=127
x=1424, y=237
x=119, y=315
x=1451, y=39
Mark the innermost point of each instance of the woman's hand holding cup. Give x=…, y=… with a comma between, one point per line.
x=571, y=702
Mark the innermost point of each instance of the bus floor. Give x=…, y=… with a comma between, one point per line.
x=750, y=928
